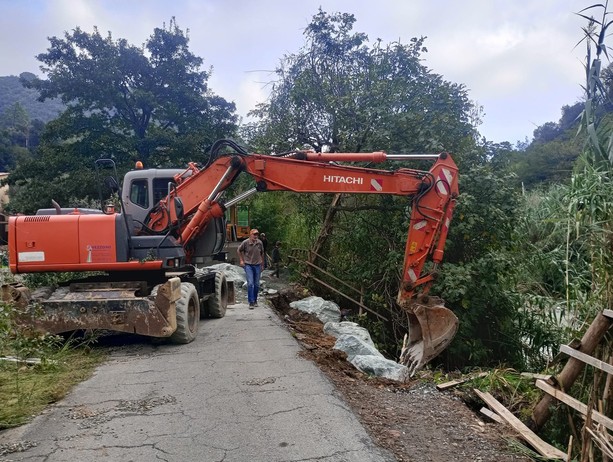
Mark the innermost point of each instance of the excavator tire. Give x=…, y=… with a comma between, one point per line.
x=218, y=302
x=188, y=315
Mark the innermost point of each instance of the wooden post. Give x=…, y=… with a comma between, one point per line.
x=571, y=370
x=326, y=228
x=361, y=310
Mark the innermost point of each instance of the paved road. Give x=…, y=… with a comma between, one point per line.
x=239, y=393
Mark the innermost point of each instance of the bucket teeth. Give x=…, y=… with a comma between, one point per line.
x=431, y=328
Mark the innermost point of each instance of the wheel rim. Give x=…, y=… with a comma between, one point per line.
x=191, y=310
x=223, y=296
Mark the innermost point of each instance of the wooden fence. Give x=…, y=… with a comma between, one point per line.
x=597, y=423
x=304, y=259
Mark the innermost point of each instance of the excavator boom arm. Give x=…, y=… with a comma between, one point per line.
x=433, y=195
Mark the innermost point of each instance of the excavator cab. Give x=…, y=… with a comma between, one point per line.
x=143, y=189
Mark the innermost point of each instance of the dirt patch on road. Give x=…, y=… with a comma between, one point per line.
x=413, y=420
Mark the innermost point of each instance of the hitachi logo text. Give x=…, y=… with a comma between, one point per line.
x=343, y=179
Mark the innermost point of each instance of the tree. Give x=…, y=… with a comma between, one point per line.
x=151, y=104
x=16, y=121
x=571, y=116
x=18, y=136
x=337, y=93
x=547, y=163
x=12, y=91
x=546, y=132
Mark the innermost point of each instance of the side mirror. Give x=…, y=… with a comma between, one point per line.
x=112, y=184
x=179, y=208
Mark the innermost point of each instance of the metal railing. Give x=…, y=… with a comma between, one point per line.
x=303, y=257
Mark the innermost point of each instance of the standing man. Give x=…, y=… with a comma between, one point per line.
x=251, y=254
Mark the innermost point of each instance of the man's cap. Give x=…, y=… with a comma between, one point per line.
x=254, y=231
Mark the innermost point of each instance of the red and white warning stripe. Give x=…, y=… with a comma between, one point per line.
x=376, y=184
x=420, y=224
x=444, y=181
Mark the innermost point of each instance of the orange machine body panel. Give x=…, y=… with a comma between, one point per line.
x=79, y=242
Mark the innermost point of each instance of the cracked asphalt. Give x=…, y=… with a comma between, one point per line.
x=238, y=393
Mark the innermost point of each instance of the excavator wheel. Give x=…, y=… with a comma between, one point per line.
x=218, y=302
x=431, y=328
x=188, y=315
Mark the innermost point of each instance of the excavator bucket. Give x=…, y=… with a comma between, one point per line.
x=431, y=328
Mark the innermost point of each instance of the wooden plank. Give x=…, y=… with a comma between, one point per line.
x=574, y=344
x=453, y=383
x=574, y=403
x=608, y=313
x=587, y=359
x=13, y=359
x=492, y=415
x=543, y=448
x=603, y=442
x=531, y=375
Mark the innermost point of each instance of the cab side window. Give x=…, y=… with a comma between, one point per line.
x=139, y=193
x=160, y=188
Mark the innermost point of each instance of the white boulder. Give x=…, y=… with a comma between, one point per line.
x=355, y=346
x=324, y=310
x=381, y=367
x=336, y=329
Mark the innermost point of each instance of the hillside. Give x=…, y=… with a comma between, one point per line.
x=12, y=91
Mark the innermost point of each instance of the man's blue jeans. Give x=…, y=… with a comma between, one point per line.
x=253, y=282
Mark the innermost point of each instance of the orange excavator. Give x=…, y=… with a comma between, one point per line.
x=152, y=258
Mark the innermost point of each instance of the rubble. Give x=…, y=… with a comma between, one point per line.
x=380, y=366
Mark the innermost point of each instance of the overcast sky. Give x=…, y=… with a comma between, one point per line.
x=516, y=57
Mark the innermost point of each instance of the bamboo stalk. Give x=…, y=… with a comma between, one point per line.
x=572, y=369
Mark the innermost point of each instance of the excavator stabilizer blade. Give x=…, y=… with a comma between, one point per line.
x=116, y=306
x=431, y=328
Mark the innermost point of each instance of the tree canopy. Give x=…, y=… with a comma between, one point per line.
x=339, y=93
x=129, y=103
x=151, y=100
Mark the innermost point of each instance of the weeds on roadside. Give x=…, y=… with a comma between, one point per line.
x=524, y=450
x=37, y=369
x=515, y=391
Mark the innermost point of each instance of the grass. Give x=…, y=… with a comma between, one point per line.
x=41, y=370
x=25, y=390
